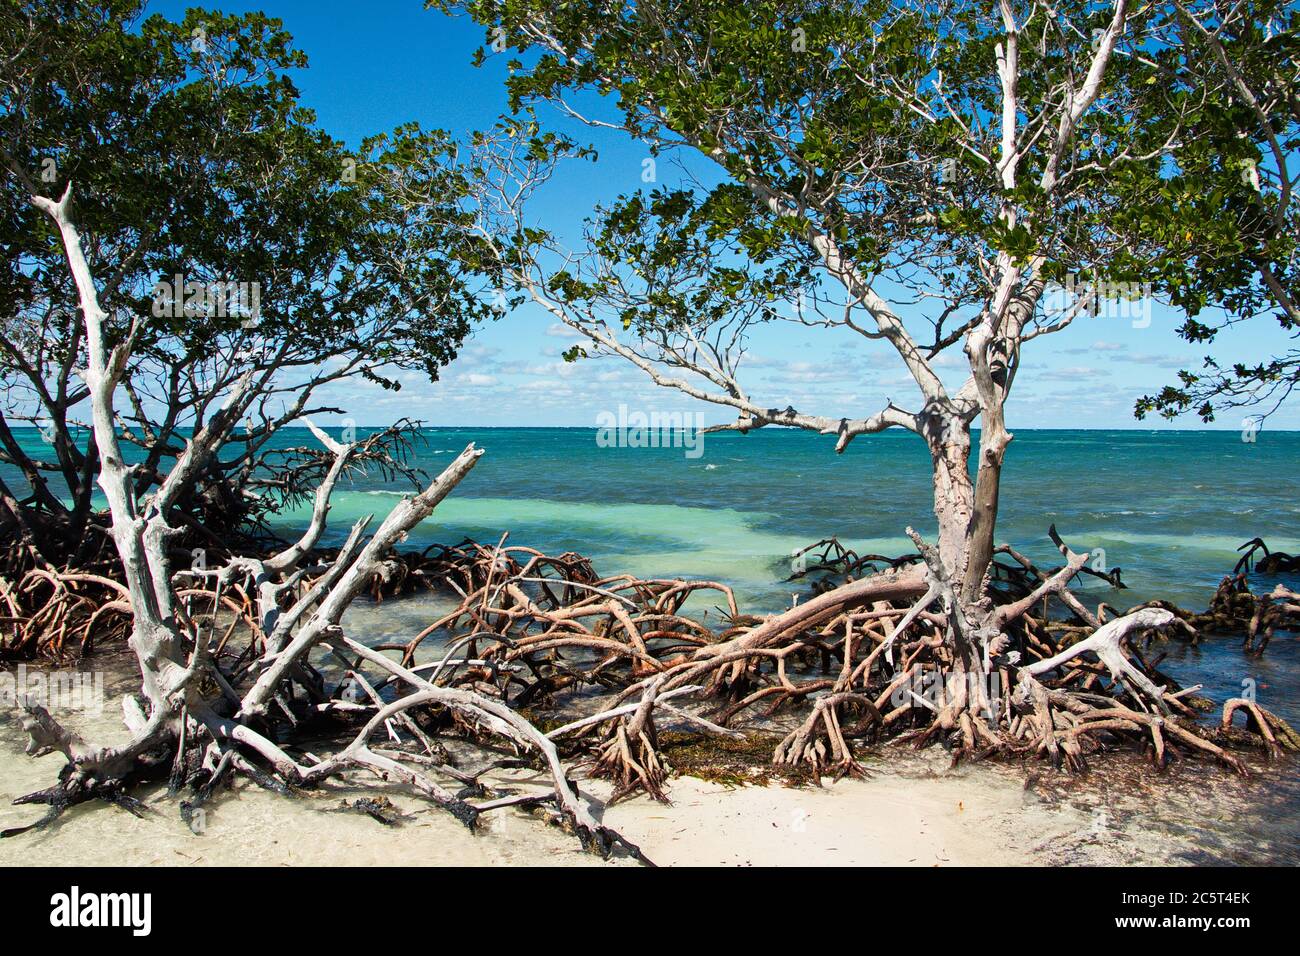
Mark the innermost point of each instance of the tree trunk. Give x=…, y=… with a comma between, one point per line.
x=984, y=519
x=954, y=494
x=967, y=513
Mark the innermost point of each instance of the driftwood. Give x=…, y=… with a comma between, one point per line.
x=532, y=631
x=198, y=719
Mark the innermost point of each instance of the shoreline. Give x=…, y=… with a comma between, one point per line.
x=912, y=810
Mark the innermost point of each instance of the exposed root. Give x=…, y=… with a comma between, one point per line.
x=631, y=759
x=57, y=614
x=1273, y=562
x=212, y=709
x=894, y=654
x=1277, y=735
x=820, y=741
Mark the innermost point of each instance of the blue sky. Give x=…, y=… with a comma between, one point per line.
x=377, y=65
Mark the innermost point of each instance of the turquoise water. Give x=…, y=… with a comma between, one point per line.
x=1169, y=507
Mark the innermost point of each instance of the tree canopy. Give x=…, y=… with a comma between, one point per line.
x=880, y=127
x=1219, y=214
x=192, y=160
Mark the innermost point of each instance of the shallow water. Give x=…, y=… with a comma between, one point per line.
x=1169, y=508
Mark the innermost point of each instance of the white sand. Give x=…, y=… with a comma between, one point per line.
x=913, y=810
x=889, y=819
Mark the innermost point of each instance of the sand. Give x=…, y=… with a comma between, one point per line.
x=912, y=810
x=896, y=818
x=887, y=820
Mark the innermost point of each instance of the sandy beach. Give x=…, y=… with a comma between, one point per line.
x=913, y=810
x=888, y=820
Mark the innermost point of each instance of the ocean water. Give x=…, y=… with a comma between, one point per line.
x=1168, y=507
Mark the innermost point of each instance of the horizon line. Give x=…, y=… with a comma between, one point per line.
x=777, y=429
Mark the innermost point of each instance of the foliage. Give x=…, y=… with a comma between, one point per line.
x=191, y=156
